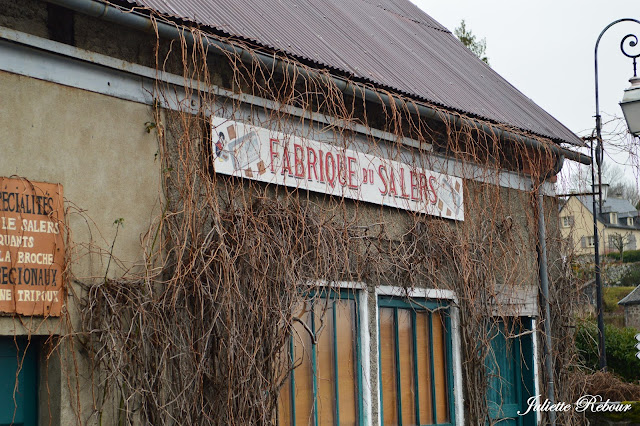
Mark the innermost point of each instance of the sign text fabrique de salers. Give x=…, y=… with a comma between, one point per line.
x=274, y=157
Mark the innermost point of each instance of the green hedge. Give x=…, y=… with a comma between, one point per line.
x=612, y=295
x=632, y=415
x=627, y=256
x=619, y=344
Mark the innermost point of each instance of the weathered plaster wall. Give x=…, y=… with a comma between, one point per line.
x=97, y=148
x=29, y=16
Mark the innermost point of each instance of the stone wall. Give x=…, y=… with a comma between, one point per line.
x=632, y=316
x=613, y=272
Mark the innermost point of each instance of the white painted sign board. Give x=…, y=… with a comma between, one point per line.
x=273, y=157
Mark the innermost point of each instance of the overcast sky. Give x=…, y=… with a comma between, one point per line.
x=545, y=48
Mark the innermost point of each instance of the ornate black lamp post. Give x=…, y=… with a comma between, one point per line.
x=631, y=108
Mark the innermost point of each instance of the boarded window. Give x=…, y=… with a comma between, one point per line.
x=324, y=388
x=415, y=357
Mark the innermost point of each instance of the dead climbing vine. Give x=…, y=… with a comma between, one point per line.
x=196, y=336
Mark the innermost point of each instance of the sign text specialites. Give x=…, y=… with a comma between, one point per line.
x=31, y=247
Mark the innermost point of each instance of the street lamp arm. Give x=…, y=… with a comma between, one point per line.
x=632, y=41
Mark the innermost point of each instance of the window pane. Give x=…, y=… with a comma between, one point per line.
x=419, y=362
x=335, y=353
x=346, y=338
x=388, y=367
x=405, y=342
x=325, y=362
x=303, y=391
x=439, y=367
x=424, y=367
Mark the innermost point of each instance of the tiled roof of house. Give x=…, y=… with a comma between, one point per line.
x=391, y=44
x=622, y=207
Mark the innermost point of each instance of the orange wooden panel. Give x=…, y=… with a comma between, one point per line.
x=424, y=367
x=345, y=322
x=325, y=363
x=31, y=247
x=284, y=399
x=303, y=373
x=388, y=367
x=405, y=342
x=440, y=367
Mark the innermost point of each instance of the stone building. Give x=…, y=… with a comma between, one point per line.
x=255, y=212
x=631, y=304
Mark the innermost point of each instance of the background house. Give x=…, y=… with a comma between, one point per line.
x=618, y=226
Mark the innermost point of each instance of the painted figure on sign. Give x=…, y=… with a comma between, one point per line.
x=220, y=146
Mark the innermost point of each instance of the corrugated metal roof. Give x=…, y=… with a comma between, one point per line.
x=390, y=43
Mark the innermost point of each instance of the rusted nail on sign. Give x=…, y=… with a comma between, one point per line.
x=31, y=247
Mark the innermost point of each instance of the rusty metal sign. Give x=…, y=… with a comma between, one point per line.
x=31, y=247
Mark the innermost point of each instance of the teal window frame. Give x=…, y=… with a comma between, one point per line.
x=331, y=294
x=524, y=366
x=22, y=406
x=417, y=304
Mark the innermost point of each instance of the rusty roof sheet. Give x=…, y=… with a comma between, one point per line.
x=390, y=43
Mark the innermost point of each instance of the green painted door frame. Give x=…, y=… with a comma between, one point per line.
x=510, y=372
x=18, y=382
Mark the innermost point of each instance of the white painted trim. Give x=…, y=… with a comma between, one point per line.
x=365, y=353
x=427, y=293
x=536, y=359
x=456, y=356
x=458, y=390
x=350, y=285
x=44, y=59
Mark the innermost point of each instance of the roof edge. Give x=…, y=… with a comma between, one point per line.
x=133, y=18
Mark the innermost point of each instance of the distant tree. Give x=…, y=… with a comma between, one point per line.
x=478, y=47
x=618, y=242
x=619, y=186
x=627, y=191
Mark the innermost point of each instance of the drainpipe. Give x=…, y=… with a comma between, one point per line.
x=140, y=22
x=544, y=287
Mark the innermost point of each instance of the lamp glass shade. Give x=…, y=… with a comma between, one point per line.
x=604, y=190
x=630, y=105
